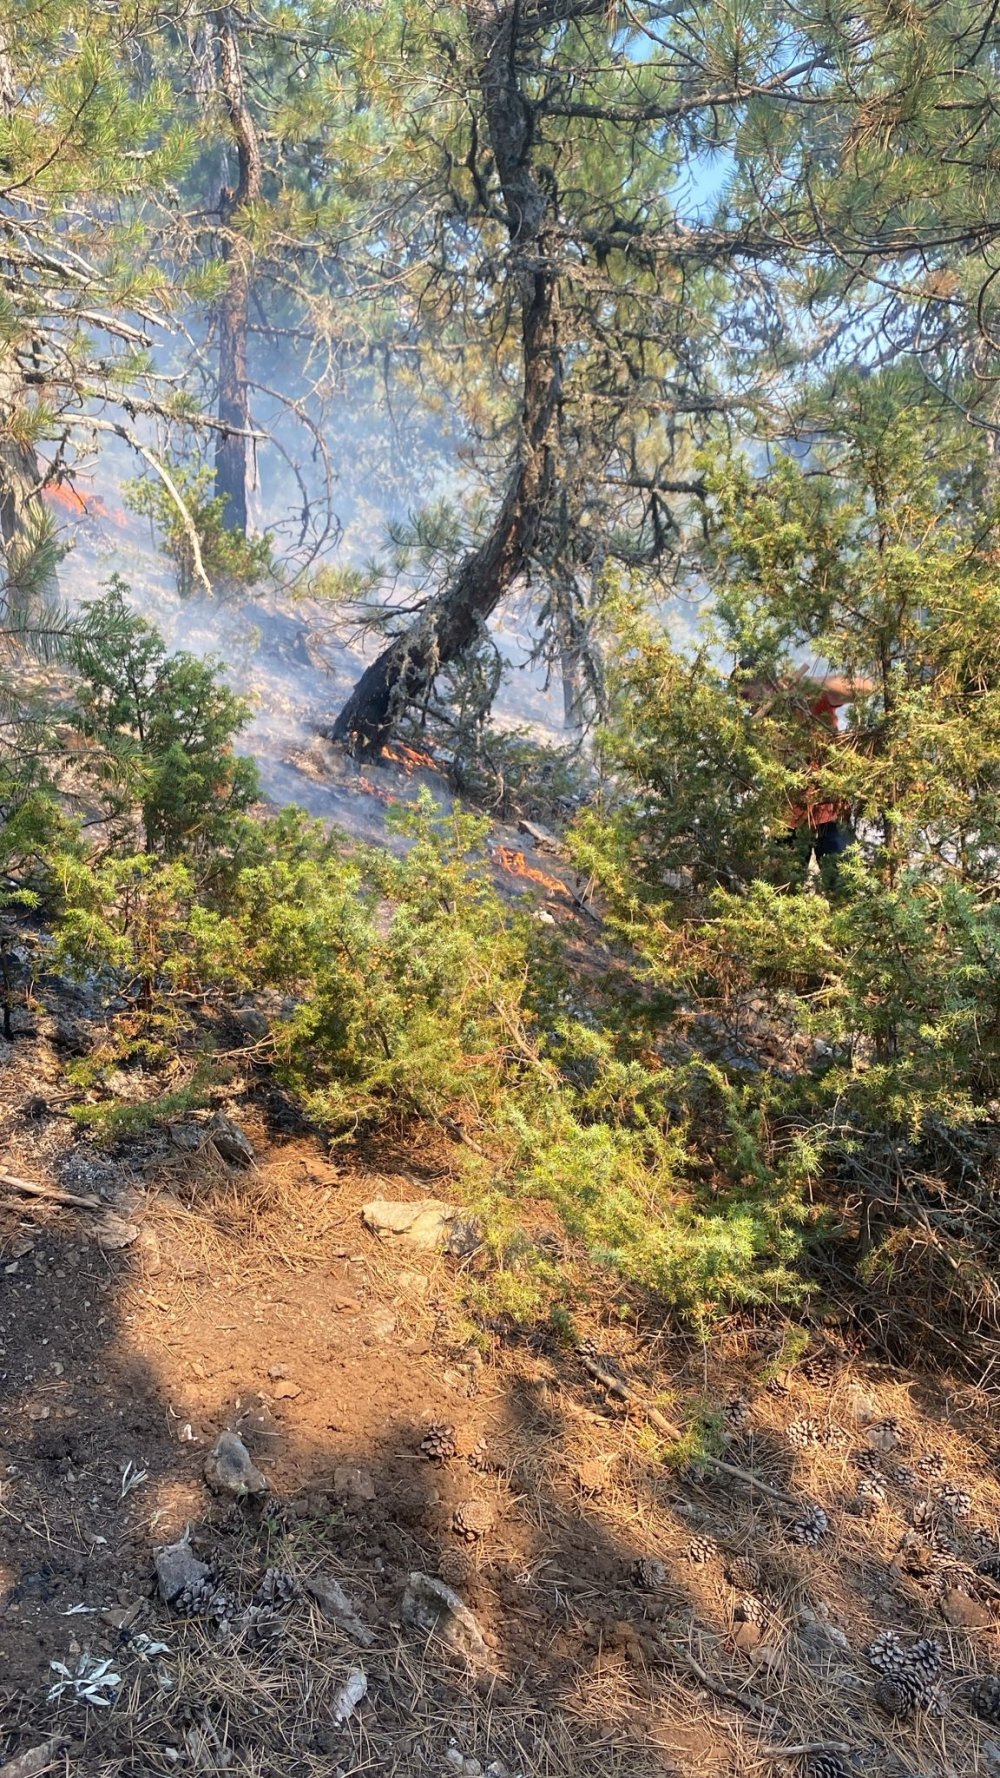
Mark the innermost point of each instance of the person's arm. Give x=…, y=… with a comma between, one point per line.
x=843, y=690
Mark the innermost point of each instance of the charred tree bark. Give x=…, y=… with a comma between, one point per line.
x=451, y=622
x=234, y=457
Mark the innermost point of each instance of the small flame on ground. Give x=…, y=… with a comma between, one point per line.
x=517, y=865
x=410, y=758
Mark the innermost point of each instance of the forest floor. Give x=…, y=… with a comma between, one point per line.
x=201, y=1297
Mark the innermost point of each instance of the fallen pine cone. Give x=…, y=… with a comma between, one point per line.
x=702, y=1549
x=984, y=1696
x=473, y=1519
x=277, y=1588
x=811, y=1525
x=648, y=1573
x=438, y=1443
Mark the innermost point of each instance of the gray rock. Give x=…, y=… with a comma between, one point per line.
x=820, y=1641
x=179, y=1571
x=437, y=1610
x=251, y=1023
x=35, y=1760
x=189, y=1138
x=232, y=1143
x=336, y=1607
x=113, y=1232
x=230, y=1469
x=72, y=1035
x=425, y=1223
x=348, y=1696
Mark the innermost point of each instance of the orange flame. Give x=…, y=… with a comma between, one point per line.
x=410, y=757
x=517, y=865
x=62, y=494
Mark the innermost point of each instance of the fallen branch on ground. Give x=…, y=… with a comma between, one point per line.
x=615, y=1386
x=53, y=1193
x=744, y=1700
x=801, y=1749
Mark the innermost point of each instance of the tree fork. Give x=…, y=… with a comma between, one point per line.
x=450, y=623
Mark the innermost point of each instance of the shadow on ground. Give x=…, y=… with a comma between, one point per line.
x=261, y=1304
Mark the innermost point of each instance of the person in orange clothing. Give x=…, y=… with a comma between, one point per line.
x=816, y=701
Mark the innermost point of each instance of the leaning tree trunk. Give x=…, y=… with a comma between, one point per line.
x=452, y=621
x=234, y=458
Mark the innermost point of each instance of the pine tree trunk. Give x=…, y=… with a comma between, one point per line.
x=233, y=460
x=19, y=478
x=234, y=456
x=19, y=471
x=450, y=623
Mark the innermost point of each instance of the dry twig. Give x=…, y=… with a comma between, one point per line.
x=53, y=1193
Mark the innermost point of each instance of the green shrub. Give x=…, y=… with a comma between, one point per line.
x=231, y=560
x=159, y=731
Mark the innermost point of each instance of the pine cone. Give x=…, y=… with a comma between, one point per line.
x=952, y=1577
x=438, y=1443
x=931, y=1464
x=824, y=1765
x=479, y=1458
x=903, y=1474
x=868, y=1461
x=647, y=1573
x=915, y=1557
x=923, y=1517
x=926, y=1660
x=260, y=1622
x=990, y=1566
x=912, y=1674
x=277, y=1588
x=751, y=1610
x=887, y=1655
x=819, y=1368
x=457, y=1569
x=870, y=1496
x=984, y=1698
x=804, y=1432
x=221, y=1607
x=810, y=1527
x=702, y=1549
x=835, y=1438
x=743, y=1573
x=957, y=1501
x=777, y=1386
x=737, y=1413
x=473, y=1519
x=197, y=1600
x=941, y=1543
x=893, y=1697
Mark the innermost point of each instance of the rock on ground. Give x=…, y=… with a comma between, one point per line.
x=232, y=1143
x=179, y=1570
x=336, y=1607
x=425, y=1223
x=230, y=1469
x=437, y=1610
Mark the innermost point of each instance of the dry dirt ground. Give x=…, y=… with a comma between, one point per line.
x=257, y=1300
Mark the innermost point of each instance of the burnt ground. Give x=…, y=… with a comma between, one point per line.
x=255, y=1299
